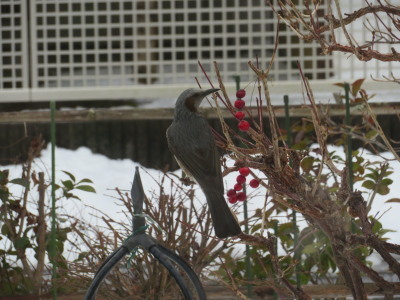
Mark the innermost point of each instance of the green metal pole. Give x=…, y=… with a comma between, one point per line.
x=297, y=255
x=287, y=122
x=348, y=137
x=349, y=152
x=52, y=245
x=249, y=273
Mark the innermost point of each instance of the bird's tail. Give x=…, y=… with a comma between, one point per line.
x=225, y=223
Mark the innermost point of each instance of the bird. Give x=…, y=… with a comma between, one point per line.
x=192, y=143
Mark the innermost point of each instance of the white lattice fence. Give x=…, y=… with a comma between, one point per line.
x=106, y=49
x=13, y=41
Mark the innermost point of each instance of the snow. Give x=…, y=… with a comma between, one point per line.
x=107, y=174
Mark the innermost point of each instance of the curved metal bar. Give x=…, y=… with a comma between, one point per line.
x=187, y=269
x=107, y=266
x=163, y=255
x=163, y=259
x=129, y=244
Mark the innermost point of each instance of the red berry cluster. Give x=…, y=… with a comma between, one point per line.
x=239, y=104
x=235, y=194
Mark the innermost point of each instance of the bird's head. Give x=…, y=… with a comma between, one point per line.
x=190, y=99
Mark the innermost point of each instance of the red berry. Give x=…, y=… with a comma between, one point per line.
x=244, y=171
x=239, y=103
x=240, y=93
x=233, y=199
x=240, y=179
x=241, y=196
x=238, y=187
x=244, y=125
x=239, y=115
x=231, y=193
x=254, y=183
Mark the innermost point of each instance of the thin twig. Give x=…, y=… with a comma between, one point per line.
x=275, y=141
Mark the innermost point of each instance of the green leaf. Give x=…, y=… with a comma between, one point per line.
x=371, y=134
x=68, y=184
x=387, y=181
x=70, y=175
x=310, y=249
x=5, y=230
x=324, y=263
x=360, y=169
x=369, y=184
x=339, y=84
x=4, y=195
x=304, y=278
x=373, y=176
x=376, y=226
x=333, y=189
x=360, y=159
x=332, y=264
x=85, y=180
x=286, y=239
x=358, y=178
x=387, y=173
x=307, y=163
x=62, y=234
x=357, y=168
x=382, y=189
x=22, y=243
x=21, y=181
x=82, y=255
x=286, y=228
x=255, y=228
x=70, y=195
x=306, y=236
x=62, y=264
x=59, y=246
x=393, y=200
x=301, y=145
x=384, y=231
x=355, y=87
x=86, y=188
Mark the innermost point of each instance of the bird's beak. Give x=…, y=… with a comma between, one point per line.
x=199, y=98
x=210, y=91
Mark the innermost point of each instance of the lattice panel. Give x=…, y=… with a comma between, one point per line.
x=120, y=42
x=14, y=64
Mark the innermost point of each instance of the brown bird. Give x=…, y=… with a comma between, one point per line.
x=191, y=141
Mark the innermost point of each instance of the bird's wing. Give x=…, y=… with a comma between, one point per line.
x=199, y=161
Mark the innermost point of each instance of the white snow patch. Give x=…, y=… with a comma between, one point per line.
x=107, y=174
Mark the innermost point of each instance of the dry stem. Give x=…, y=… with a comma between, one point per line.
x=325, y=210
x=305, y=23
